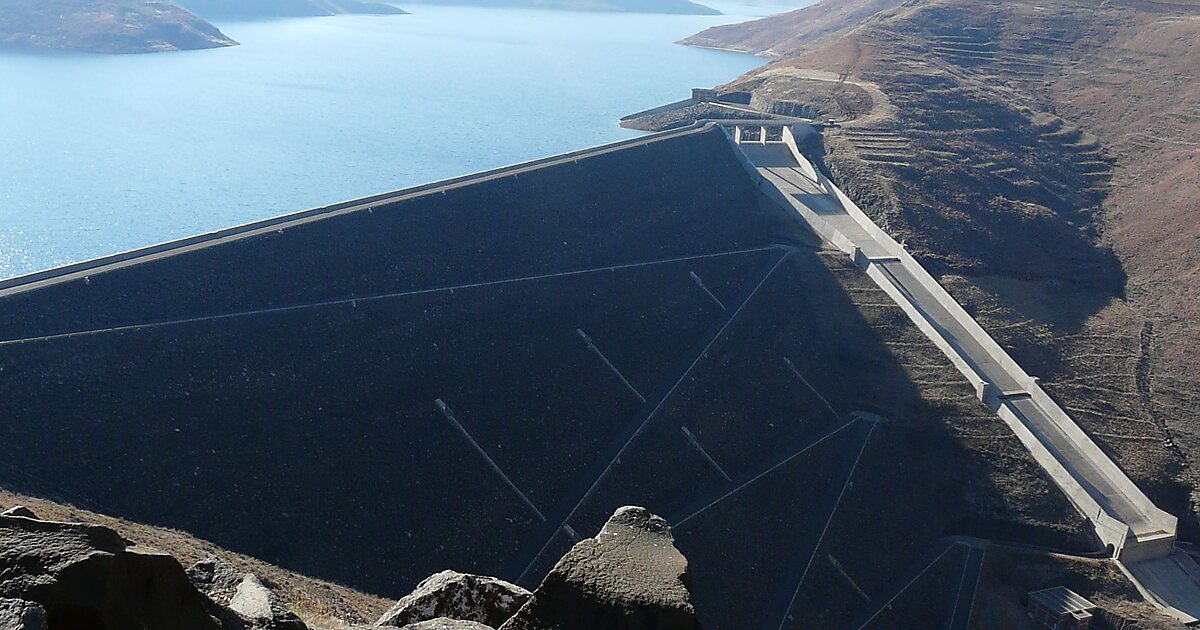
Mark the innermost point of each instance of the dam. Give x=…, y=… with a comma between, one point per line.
x=470, y=373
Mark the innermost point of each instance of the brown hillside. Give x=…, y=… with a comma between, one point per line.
x=1042, y=157
x=321, y=604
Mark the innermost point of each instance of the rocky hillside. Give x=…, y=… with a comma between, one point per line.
x=685, y=7
x=1044, y=158
x=318, y=603
x=285, y=8
x=104, y=26
x=76, y=575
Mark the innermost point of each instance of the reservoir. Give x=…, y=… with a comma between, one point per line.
x=100, y=154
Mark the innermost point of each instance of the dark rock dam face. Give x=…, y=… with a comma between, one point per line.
x=471, y=378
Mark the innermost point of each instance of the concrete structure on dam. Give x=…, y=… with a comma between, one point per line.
x=470, y=373
x=1141, y=536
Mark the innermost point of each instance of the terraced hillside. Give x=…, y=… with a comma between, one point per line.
x=468, y=375
x=1041, y=157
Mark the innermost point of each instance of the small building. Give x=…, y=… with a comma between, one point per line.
x=704, y=95
x=1060, y=608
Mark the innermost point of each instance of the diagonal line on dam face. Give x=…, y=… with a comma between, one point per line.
x=354, y=301
x=639, y=424
x=449, y=415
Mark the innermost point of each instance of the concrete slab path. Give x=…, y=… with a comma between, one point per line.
x=1173, y=582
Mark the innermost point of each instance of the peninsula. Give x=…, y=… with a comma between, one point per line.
x=104, y=26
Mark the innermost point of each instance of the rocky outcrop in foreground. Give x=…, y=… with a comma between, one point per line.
x=18, y=614
x=459, y=596
x=445, y=623
x=257, y=603
x=73, y=575
x=629, y=577
x=86, y=576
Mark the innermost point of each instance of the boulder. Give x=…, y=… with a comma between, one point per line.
x=18, y=614
x=87, y=576
x=259, y=606
x=629, y=577
x=216, y=579
x=443, y=623
x=19, y=510
x=459, y=596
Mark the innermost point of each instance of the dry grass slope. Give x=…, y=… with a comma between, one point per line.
x=321, y=604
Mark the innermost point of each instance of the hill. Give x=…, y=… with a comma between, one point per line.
x=285, y=8
x=685, y=7
x=104, y=26
x=1042, y=157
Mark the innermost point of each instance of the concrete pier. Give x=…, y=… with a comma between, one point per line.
x=1140, y=534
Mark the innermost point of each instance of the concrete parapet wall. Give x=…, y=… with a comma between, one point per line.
x=1148, y=549
x=789, y=138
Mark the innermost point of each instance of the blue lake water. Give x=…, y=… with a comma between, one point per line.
x=100, y=154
